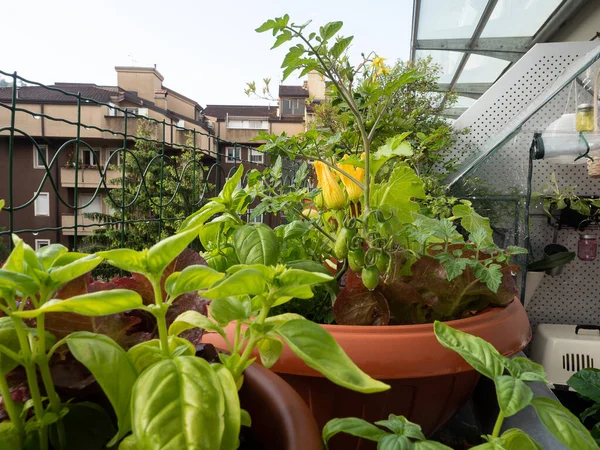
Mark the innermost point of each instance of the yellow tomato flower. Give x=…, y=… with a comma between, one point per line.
x=378, y=62
x=354, y=190
x=333, y=195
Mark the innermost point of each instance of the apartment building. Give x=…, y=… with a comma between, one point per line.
x=44, y=147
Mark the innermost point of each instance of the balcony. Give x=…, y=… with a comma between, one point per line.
x=84, y=225
x=87, y=178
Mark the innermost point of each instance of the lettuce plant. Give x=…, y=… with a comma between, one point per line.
x=513, y=394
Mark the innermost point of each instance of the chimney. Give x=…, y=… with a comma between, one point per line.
x=305, y=85
x=145, y=81
x=160, y=98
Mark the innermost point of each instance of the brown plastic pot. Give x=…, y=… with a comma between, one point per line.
x=429, y=383
x=280, y=418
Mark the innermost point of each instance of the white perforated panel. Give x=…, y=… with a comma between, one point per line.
x=574, y=296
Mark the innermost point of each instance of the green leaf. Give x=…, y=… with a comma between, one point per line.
x=179, y=404
x=398, y=191
x=353, y=426
x=394, y=147
x=16, y=258
x=160, y=255
x=191, y=279
x=18, y=282
x=270, y=349
x=246, y=281
x=80, y=265
x=490, y=275
x=233, y=412
x=299, y=277
x=319, y=350
x=513, y=394
x=128, y=443
x=49, y=253
x=193, y=319
x=563, y=425
x=401, y=426
x=126, y=259
x=111, y=368
x=10, y=340
x=230, y=186
x=472, y=221
x=328, y=30
x=514, y=250
x=481, y=355
x=228, y=309
x=256, y=244
x=587, y=383
x=393, y=442
x=99, y=303
x=202, y=215
x=282, y=38
x=9, y=436
x=340, y=46
x=295, y=229
x=430, y=445
x=280, y=319
x=245, y=417
x=148, y=353
x=519, y=440
x=268, y=25
x=267, y=272
x=524, y=369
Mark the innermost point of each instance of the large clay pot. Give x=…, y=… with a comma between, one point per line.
x=280, y=419
x=429, y=383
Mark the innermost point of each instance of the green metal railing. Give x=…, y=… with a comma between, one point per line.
x=207, y=177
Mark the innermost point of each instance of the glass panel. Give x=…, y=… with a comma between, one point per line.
x=464, y=102
x=512, y=18
x=446, y=19
x=482, y=69
x=448, y=61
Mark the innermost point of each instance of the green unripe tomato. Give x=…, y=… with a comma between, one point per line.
x=341, y=243
x=370, y=277
x=382, y=262
x=385, y=229
x=356, y=259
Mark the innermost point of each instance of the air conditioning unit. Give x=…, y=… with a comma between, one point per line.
x=142, y=112
x=181, y=123
x=210, y=124
x=565, y=349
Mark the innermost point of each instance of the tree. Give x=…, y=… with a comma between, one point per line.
x=150, y=213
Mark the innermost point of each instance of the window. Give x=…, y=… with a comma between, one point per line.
x=233, y=154
x=37, y=158
x=293, y=106
x=89, y=158
x=256, y=156
x=41, y=206
x=257, y=219
x=114, y=157
x=94, y=207
x=39, y=243
x=248, y=124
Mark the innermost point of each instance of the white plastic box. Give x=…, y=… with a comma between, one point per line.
x=565, y=349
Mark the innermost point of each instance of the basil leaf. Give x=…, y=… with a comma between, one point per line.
x=519, y=440
x=401, y=426
x=563, y=425
x=233, y=414
x=228, y=309
x=513, y=394
x=99, y=303
x=393, y=442
x=49, y=253
x=128, y=443
x=9, y=436
x=354, y=426
x=524, y=369
x=319, y=350
x=63, y=273
x=256, y=244
x=10, y=340
x=246, y=281
x=191, y=279
x=147, y=353
x=430, y=445
x=126, y=259
x=18, y=282
x=231, y=184
x=270, y=349
x=193, y=319
x=160, y=255
x=111, y=368
x=481, y=355
x=587, y=383
x=186, y=394
x=297, y=277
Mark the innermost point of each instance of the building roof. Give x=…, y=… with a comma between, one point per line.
x=292, y=91
x=40, y=94
x=221, y=111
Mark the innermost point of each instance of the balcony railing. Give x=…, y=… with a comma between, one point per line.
x=89, y=178
x=85, y=226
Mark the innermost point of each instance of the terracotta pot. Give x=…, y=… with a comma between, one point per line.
x=280, y=418
x=429, y=383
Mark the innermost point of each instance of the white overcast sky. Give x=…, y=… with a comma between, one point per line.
x=205, y=50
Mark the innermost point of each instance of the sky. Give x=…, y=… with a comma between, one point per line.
x=205, y=50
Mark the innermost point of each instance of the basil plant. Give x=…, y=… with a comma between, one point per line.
x=513, y=395
x=162, y=395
